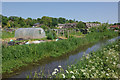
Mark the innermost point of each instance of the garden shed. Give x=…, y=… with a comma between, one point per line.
x=30, y=33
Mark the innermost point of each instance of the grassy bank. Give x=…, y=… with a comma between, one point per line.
x=7, y=34
x=101, y=64
x=19, y=55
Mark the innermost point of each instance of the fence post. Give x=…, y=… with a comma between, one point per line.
x=63, y=32
x=68, y=33
x=57, y=33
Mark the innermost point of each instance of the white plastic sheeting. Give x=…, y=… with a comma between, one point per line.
x=34, y=42
x=30, y=33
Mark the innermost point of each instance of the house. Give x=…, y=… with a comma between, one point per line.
x=73, y=25
x=60, y=25
x=115, y=27
x=30, y=33
x=37, y=25
x=67, y=25
x=70, y=25
x=89, y=25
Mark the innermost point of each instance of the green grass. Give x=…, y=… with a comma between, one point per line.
x=76, y=33
x=20, y=55
x=100, y=64
x=7, y=34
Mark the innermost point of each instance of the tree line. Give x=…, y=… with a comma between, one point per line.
x=14, y=21
x=48, y=22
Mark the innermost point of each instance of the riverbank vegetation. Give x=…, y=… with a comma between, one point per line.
x=8, y=34
x=14, y=57
x=103, y=63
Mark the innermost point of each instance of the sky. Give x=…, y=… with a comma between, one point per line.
x=119, y=12
x=81, y=11
x=60, y=0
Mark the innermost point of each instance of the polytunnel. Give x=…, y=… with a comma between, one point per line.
x=30, y=33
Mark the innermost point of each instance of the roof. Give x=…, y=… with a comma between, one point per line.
x=28, y=28
x=36, y=23
x=61, y=24
x=115, y=26
x=71, y=23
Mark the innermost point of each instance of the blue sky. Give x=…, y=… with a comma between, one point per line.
x=81, y=11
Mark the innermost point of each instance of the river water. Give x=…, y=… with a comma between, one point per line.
x=49, y=64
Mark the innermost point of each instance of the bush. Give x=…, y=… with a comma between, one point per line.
x=6, y=34
x=51, y=35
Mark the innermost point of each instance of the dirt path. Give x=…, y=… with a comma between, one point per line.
x=62, y=37
x=8, y=39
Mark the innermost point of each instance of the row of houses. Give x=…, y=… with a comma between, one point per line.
x=115, y=27
x=89, y=25
x=67, y=25
x=73, y=25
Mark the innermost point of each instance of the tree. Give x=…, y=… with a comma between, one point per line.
x=71, y=21
x=80, y=25
x=11, y=24
x=28, y=21
x=4, y=21
x=8, y=24
x=38, y=19
x=13, y=18
x=96, y=22
x=46, y=21
x=54, y=22
x=61, y=20
x=116, y=23
x=29, y=18
x=21, y=21
x=44, y=27
x=103, y=27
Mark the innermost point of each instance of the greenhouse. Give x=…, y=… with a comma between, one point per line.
x=30, y=33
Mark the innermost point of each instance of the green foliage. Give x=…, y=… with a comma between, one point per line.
x=116, y=23
x=76, y=33
x=101, y=28
x=4, y=21
x=96, y=22
x=44, y=27
x=61, y=20
x=80, y=25
x=71, y=21
x=46, y=21
x=51, y=35
x=19, y=55
x=54, y=21
x=18, y=22
x=7, y=34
